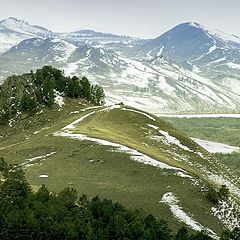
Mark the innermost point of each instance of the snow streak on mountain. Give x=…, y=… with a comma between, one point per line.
x=189, y=69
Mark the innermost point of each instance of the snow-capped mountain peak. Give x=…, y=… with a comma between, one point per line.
x=215, y=33
x=13, y=31
x=190, y=68
x=23, y=27
x=194, y=43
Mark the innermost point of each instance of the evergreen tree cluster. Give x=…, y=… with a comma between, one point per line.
x=214, y=196
x=25, y=214
x=27, y=92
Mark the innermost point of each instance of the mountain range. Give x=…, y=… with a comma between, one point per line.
x=189, y=69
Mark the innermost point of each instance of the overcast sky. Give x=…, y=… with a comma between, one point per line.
x=142, y=18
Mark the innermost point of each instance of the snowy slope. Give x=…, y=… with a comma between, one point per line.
x=95, y=38
x=157, y=85
x=179, y=72
x=21, y=26
x=13, y=31
x=194, y=44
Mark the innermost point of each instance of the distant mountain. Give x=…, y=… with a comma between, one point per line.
x=194, y=44
x=35, y=52
x=91, y=34
x=189, y=69
x=21, y=26
x=100, y=39
x=13, y=31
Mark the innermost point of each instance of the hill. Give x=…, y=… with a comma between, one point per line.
x=124, y=154
x=28, y=93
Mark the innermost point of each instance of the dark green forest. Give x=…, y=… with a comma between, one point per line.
x=28, y=92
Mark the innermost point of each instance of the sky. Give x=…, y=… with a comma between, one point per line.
x=139, y=18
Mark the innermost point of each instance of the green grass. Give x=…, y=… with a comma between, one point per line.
x=131, y=129
x=231, y=160
x=223, y=130
x=94, y=169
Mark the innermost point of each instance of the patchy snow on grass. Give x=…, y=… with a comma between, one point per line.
x=29, y=161
x=135, y=155
x=58, y=99
x=170, y=139
x=72, y=125
x=227, y=212
x=215, y=147
x=74, y=112
x=172, y=201
x=184, y=175
x=222, y=181
x=142, y=113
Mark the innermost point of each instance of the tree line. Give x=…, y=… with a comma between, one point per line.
x=27, y=92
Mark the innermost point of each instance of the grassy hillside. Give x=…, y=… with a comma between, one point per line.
x=223, y=130
x=145, y=162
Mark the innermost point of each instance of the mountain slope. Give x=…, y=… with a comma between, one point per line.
x=155, y=85
x=91, y=37
x=179, y=72
x=198, y=45
x=13, y=31
x=124, y=154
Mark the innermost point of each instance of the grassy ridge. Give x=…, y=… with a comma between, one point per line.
x=95, y=170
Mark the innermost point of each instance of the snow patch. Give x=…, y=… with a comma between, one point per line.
x=233, y=65
x=89, y=108
x=170, y=139
x=227, y=212
x=172, y=201
x=43, y=176
x=29, y=161
x=215, y=147
x=39, y=131
x=72, y=125
x=219, y=180
x=107, y=109
x=58, y=99
x=211, y=49
x=135, y=155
